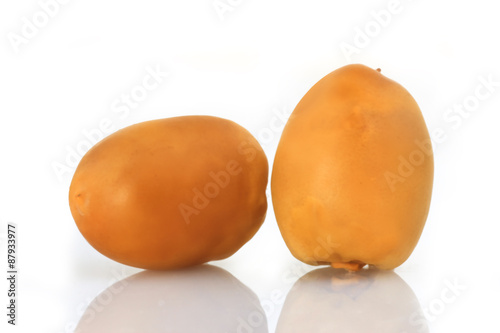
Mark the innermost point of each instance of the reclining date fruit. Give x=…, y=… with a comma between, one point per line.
x=171, y=193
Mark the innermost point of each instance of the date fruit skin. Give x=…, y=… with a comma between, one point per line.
x=353, y=172
x=172, y=192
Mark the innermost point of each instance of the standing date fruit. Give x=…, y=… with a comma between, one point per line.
x=353, y=172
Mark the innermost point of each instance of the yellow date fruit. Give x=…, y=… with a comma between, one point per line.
x=172, y=192
x=353, y=172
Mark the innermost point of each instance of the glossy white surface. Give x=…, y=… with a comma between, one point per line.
x=200, y=299
x=70, y=78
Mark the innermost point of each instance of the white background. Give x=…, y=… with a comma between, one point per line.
x=248, y=64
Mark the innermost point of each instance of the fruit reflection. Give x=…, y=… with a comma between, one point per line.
x=334, y=300
x=199, y=299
